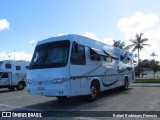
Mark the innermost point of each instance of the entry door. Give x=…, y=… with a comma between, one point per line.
x=77, y=66
x=16, y=78
x=78, y=78
x=5, y=79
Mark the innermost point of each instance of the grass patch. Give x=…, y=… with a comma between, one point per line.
x=147, y=81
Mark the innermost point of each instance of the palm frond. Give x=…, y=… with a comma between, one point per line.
x=146, y=45
x=144, y=40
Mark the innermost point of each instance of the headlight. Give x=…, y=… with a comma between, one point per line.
x=29, y=81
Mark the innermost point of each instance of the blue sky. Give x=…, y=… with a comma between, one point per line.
x=23, y=21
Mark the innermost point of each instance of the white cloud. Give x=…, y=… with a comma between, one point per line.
x=17, y=55
x=108, y=41
x=138, y=23
x=142, y=23
x=32, y=42
x=91, y=35
x=57, y=35
x=4, y=24
x=154, y=37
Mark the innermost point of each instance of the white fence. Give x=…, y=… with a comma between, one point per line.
x=149, y=74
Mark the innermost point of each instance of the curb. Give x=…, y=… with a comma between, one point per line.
x=144, y=85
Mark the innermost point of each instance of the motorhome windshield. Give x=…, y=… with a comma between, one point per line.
x=50, y=55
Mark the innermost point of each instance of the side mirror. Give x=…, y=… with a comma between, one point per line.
x=76, y=50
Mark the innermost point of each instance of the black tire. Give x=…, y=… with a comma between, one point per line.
x=61, y=97
x=125, y=87
x=20, y=86
x=94, y=91
x=11, y=88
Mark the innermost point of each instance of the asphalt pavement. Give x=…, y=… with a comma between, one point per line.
x=139, y=97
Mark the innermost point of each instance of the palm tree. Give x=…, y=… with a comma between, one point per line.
x=153, y=54
x=135, y=55
x=138, y=44
x=119, y=44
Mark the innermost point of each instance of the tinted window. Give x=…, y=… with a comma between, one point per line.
x=8, y=66
x=50, y=55
x=4, y=75
x=109, y=59
x=78, y=56
x=94, y=56
x=18, y=68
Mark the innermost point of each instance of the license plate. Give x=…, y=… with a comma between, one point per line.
x=40, y=88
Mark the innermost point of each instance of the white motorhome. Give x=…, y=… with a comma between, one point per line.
x=13, y=74
x=72, y=65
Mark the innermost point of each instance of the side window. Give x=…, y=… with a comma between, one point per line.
x=109, y=59
x=8, y=66
x=18, y=67
x=4, y=75
x=103, y=58
x=121, y=58
x=78, y=55
x=94, y=56
x=129, y=60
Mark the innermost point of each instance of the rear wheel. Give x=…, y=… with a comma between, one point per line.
x=20, y=86
x=125, y=87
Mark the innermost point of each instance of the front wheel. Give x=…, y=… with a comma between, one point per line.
x=20, y=86
x=94, y=92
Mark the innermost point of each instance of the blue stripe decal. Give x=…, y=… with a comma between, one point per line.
x=120, y=71
x=107, y=85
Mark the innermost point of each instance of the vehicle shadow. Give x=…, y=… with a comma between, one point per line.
x=113, y=92
x=6, y=90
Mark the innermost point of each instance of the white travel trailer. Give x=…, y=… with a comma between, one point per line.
x=13, y=74
x=72, y=65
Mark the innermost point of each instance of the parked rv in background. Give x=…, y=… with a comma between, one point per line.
x=13, y=74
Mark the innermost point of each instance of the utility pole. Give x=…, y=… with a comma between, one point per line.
x=14, y=54
x=9, y=56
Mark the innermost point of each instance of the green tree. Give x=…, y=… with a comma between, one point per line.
x=120, y=44
x=138, y=44
x=154, y=65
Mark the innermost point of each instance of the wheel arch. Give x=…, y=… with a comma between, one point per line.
x=24, y=83
x=97, y=82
